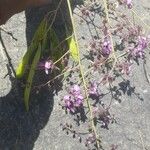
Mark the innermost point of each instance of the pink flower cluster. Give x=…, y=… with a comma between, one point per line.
x=124, y=67
x=74, y=99
x=138, y=50
x=128, y=3
x=46, y=65
x=106, y=47
x=103, y=115
x=93, y=89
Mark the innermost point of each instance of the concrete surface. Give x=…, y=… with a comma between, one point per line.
x=39, y=129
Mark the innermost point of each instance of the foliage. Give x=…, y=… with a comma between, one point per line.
x=116, y=46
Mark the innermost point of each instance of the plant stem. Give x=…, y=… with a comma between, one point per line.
x=109, y=33
x=83, y=78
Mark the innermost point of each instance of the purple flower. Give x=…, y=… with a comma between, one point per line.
x=67, y=97
x=106, y=47
x=125, y=68
x=128, y=3
x=75, y=90
x=138, y=50
x=103, y=115
x=107, y=78
x=69, y=103
x=93, y=89
x=46, y=65
x=142, y=42
x=79, y=101
x=74, y=99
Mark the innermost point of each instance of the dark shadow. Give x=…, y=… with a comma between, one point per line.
x=19, y=129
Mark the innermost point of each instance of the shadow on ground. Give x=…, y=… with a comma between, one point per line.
x=20, y=129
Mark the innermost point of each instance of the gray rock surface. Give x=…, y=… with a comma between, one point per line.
x=40, y=128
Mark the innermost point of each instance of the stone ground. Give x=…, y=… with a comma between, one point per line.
x=39, y=129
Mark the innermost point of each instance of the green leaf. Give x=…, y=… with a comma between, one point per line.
x=23, y=65
x=71, y=41
x=30, y=77
x=27, y=58
x=73, y=48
